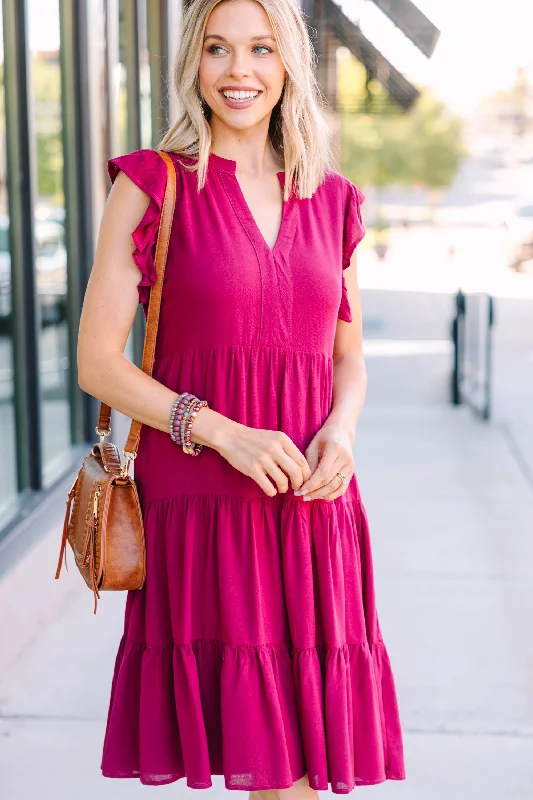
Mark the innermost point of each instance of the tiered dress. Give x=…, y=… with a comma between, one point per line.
x=253, y=651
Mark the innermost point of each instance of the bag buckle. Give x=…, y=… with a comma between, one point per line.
x=128, y=457
x=102, y=434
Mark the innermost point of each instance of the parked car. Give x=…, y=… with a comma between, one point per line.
x=51, y=269
x=520, y=226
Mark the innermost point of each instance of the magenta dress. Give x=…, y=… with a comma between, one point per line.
x=253, y=650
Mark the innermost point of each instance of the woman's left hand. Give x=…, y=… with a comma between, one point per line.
x=329, y=453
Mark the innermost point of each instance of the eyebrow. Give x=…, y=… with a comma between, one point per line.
x=252, y=38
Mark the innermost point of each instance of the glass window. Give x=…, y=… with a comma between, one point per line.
x=130, y=128
x=98, y=16
x=8, y=463
x=51, y=254
x=145, y=84
x=119, y=110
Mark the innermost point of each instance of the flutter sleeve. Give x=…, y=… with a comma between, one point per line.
x=149, y=172
x=354, y=231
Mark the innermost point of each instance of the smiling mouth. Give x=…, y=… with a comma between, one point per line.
x=239, y=96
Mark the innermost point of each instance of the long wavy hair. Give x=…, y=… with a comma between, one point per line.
x=298, y=129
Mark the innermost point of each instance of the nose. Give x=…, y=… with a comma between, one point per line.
x=240, y=66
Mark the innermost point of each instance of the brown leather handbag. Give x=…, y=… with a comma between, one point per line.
x=103, y=521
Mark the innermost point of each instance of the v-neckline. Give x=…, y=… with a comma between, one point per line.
x=229, y=166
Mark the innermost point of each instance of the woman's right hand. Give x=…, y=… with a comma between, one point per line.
x=263, y=455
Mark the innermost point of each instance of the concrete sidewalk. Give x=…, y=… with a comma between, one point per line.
x=453, y=548
x=450, y=514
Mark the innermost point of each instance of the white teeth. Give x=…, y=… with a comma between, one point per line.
x=242, y=95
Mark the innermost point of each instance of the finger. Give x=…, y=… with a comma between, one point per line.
x=312, y=455
x=348, y=471
x=298, y=457
x=277, y=475
x=290, y=468
x=335, y=482
x=334, y=495
x=332, y=485
x=261, y=479
x=323, y=472
x=324, y=491
x=340, y=491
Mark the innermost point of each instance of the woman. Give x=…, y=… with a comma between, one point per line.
x=253, y=650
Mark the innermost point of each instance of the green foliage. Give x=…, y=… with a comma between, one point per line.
x=435, y=144
x=382, y=145
x=373, y=150
x=46, y=83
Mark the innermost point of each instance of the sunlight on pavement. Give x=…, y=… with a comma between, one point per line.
x=384, y=348
x=444, y=259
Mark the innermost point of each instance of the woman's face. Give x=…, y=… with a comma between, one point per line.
x=240, y=54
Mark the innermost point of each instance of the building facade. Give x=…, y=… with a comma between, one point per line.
x=82, y=81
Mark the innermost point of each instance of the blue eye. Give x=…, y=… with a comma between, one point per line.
x=214, y=47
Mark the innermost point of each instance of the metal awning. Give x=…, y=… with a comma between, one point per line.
x=412, y=22
x=377, y=66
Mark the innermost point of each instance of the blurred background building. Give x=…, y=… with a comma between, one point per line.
x=80, y=82
x=439, y=138
x=431, y=104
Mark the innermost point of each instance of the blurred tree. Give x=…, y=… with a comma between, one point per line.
x=434, y=143
x=383, y=145
x=435, y=146
x=46, y=84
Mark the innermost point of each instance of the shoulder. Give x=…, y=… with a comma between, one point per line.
x=349, y=194
x=146, y=169
x=344, y=200
x=346, y=207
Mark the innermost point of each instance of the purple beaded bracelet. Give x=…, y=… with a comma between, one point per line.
x=176, y=414
x=184, y=410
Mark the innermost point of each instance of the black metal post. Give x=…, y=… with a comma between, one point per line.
x=20, y=184
x=488, y=360
x=458, y=341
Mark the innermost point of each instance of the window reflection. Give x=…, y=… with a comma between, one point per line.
x=99, y=15
x=145, y=83
x=131, y=113
x=51, y=255
x=8, y=477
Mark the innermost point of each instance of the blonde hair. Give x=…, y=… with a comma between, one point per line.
x=298, y=129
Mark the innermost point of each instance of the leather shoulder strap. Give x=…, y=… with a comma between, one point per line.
x=154, y=303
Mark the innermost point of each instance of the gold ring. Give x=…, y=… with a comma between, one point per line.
x=343, y=478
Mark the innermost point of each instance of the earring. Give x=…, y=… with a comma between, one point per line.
x=202, y=102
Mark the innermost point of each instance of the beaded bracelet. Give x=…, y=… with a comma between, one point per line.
x=177, y=413
x=179, y=422
x=184, y=410
x=183, y=421
x=190, y=447
x=192, y=407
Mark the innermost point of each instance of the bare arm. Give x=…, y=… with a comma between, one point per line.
x=109, y=308
x=330, y=451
